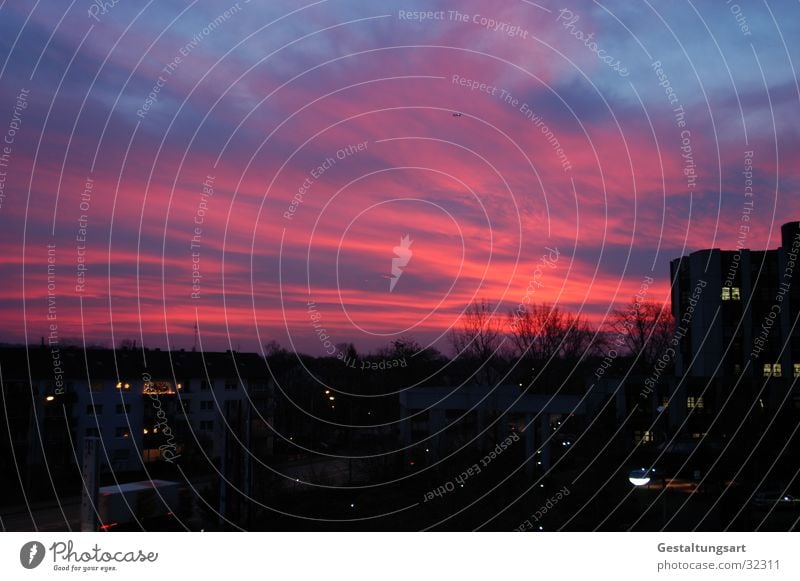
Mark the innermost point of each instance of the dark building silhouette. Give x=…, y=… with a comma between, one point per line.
x=736, y=316
x=150, y=409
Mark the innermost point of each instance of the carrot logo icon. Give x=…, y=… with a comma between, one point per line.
x=403, y=255
x=31, y=555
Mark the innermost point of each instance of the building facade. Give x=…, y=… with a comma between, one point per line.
x=736, y=315
x=147, y=407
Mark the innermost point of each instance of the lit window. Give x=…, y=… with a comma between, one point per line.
x=643, y=437
x=151, y=454
x=773, y=370
x=776, y=370
x=695, y=403
x=157, y=387
x=797, y=369
x=731, y=293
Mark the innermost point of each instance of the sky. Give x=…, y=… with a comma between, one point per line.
x=344, y=171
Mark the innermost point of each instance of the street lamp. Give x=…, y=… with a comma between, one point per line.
x=639, y=477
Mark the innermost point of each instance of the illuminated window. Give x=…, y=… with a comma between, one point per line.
x=773, y=370
x=151, y=454
x=695, y=403
x=158, y=387
x=643, y=437
x=797, y=369
x=731, y=293
x=776, y=370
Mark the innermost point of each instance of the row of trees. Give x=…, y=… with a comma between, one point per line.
x=490, y=345
x=547, y=337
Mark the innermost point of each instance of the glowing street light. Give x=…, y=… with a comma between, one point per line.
x=639, y=477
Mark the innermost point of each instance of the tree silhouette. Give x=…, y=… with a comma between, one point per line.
x=645, y=328
x=478, y=338
x=548, y=338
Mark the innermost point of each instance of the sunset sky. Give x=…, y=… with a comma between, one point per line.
x=282, y=150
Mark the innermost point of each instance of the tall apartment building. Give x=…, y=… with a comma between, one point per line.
x=146, y=407
x=736, y=311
